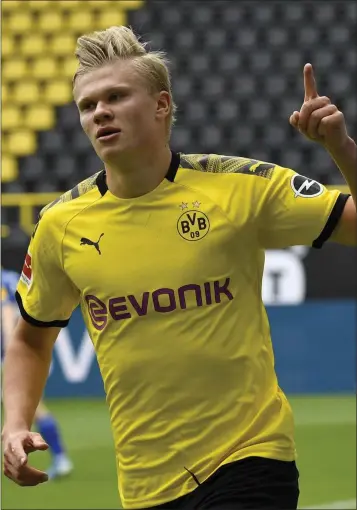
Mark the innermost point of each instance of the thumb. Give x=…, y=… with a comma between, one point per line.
x=37, y=441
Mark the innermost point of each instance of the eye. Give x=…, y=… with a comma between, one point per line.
x=114, y=96
x=85, y=107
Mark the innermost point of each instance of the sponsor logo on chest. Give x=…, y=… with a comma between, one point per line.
x=163, y=300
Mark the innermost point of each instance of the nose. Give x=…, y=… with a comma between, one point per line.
x=102, y=112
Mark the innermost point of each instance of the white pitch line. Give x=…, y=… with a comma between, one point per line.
x=335, y=505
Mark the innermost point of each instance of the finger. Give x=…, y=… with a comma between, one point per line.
x=25, y=477
x=35, y=442
x=294, y=119
x=9, y=472
x=309, y=83
x=9, y=460
x=307, y=109
x=28, y=475
x=39, y=445
x=15, y=453
x=331, y=122
x=316, y=117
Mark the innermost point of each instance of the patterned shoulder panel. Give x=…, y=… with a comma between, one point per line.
x=79, y=190
x=226, y=164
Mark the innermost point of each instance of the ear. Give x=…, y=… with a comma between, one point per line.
x=163, y=105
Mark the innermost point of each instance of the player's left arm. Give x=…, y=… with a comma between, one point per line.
x=323, y=122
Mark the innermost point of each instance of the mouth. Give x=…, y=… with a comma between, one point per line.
x=108, y=138
x=106, y=134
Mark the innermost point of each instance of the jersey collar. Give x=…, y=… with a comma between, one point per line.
x=101, y=181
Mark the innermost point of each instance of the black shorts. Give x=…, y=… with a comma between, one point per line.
x=255, y=483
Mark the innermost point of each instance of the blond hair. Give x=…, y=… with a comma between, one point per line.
x=115, y=43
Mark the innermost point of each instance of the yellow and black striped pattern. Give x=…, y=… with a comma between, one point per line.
x=226, y=164
x=79, y=190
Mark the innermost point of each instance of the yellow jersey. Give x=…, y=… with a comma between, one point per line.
x=169, y=284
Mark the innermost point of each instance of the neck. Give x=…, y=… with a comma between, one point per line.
x=138, y=174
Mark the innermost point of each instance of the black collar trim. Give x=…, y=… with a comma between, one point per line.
x=174, y=165
x=101, y=183
x=170, y=176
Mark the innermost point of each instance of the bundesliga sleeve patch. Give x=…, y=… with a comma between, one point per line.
x=26, y=275
x=305, y=187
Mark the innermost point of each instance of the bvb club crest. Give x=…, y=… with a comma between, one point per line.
x=193, y=224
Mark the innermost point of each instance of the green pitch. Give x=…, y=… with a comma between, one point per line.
x=326, y=440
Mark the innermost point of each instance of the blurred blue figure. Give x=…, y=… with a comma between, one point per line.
x=45, y=422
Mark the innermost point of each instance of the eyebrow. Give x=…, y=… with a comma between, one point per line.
x=114, y=88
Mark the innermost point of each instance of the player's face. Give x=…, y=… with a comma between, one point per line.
x=117, y=111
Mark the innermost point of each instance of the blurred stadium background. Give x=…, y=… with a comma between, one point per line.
x=237, y=76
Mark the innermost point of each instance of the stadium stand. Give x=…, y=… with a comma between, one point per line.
x=38, y=41
x=237, y=75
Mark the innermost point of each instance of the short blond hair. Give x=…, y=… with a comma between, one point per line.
x=120, y=43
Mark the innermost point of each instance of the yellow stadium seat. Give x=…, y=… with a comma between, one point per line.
x=33, y=45
x=44, y=68
x=5, y=93
x=81, y=21
x=40, y=5
x=130, y=4
x=14, y=69
x=69, y=4
x=4, y=142
x=7, y=45
x=97, y=4
x=10, y=5
x=39, y=117
x=62, y=44
x=11, y=117
x=58, y=92
x=69, y=67
x=9, y=170
x=50, y=21
x=111, y=17
x=26, y=91
x=22, y=142
x=19, y=21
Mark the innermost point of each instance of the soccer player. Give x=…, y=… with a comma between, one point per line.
x=165, y=254
x=45, y=422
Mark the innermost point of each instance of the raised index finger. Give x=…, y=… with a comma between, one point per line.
x=309, y=83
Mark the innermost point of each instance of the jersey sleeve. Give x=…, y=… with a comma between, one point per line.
x=45, y=294
x=294, y=210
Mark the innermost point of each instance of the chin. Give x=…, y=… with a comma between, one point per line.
x=110, y=152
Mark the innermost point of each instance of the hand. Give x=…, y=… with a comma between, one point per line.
x=318, y=119
x=16, y=447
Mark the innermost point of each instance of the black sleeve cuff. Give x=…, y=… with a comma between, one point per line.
x=35, y=322
x=332, y=221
